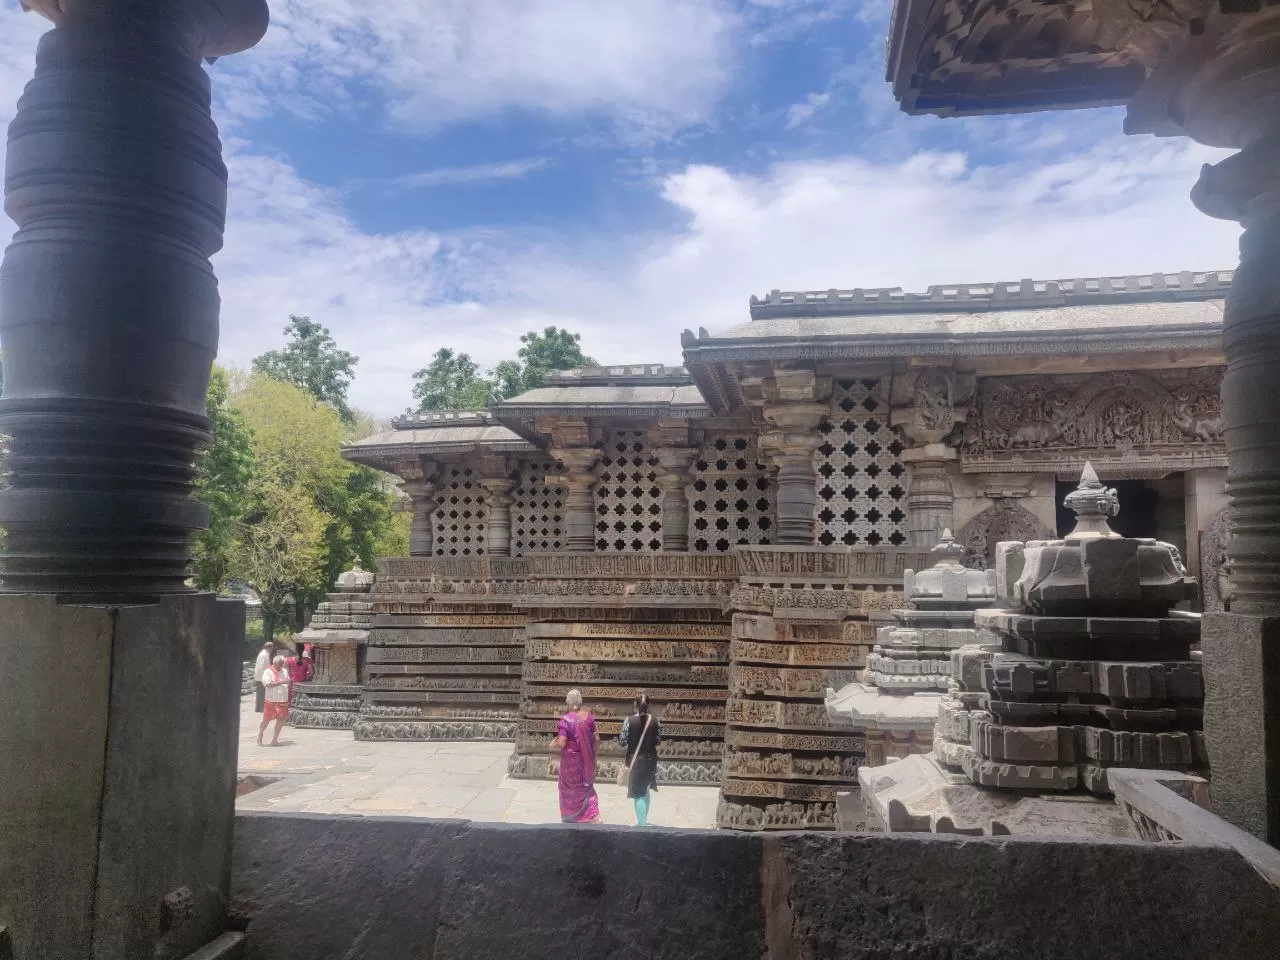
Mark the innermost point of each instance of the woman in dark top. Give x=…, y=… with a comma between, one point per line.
x=641, y=743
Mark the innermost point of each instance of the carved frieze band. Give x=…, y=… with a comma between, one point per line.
x=703, y=651
x=788, y=815
x=627, y=675
x=1100, y=417
x=789, y=766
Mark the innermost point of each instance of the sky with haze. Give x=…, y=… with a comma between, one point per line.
x=425, y=173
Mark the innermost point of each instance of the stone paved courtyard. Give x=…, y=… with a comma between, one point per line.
x=327, y=771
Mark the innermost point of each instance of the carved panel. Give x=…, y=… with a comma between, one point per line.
x=1036, y=420
x=777, y=816
x=731, y=498
x=861, y=499
x=537, y=515
x=462, y=517
x=1215, y=571
x=627, y=650
x=628, y=497
x=1005, y=519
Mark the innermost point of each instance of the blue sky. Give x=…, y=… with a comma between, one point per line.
x=427, y=173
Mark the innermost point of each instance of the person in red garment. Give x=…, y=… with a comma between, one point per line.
x=300, y=669
x=275, y=679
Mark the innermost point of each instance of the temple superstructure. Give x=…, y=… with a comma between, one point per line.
x=730, y=535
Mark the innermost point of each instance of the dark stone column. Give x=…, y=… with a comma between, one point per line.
x=117, y=777
x=579, y=481
x=108, y=304
x=675, y=481
x=789, y=447
x=1231, y=98
x=422, y=499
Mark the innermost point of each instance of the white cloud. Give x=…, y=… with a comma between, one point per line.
x=800, y=113
x=475, y=173
x=1119, y=206
x=649, y=65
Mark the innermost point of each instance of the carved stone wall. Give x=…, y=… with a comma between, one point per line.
x=1147, y=423
x=731, y=499
x=1006, y=519
x=802, y=623
x=460, y=522
x=628, y=496
x=537, y=516
x=441, y=663
x=861, y=486
x=1215, y=572
x=611, y=625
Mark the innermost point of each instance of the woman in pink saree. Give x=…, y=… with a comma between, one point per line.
x=577, y=742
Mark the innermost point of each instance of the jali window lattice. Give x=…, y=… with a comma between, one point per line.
x=628, y=498
x=462, y=516
x=537, y=516
x=731, y=499
x=861, y=483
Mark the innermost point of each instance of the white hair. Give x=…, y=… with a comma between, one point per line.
x=573, y=699
x=279, y=658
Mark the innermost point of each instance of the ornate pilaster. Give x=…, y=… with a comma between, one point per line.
x=675, y=481
x=499, y=499
x=793, y=410
x=579, y=480
x=422, y=496
x=927, y=417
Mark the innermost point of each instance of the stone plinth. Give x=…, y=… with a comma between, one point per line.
x=444, y=651
x=117, y=775
x=610, y=625
x=802, y=623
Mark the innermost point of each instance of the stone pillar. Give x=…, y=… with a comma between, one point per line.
x=422, y=496
x=116, y=805
x=109, y=306
x=675, y=497
x=498, y=499
x=929, y=496
x=579, y=480
x=1225, y=92
x=789, y=448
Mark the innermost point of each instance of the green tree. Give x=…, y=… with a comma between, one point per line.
x=312, y=361
x=224, y=473
x=541, y=354
x=451, y=381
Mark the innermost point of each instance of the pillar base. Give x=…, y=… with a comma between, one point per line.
x=117, y=775
x=1242, y=719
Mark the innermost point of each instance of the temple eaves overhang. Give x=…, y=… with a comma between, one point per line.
x=435, y=434
x=1106, y=315
x=953, y=58
x=636, y=392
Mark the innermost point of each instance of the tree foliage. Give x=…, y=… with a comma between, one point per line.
x=312, y=361
x=225, y=471
x=452, y=381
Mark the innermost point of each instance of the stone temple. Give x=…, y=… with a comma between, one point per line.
x=732, y=535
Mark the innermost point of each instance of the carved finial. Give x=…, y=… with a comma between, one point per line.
x=947, y=549
x=1092, y=504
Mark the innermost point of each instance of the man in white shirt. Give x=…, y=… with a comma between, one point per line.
x=259, y=668
x=275, y=681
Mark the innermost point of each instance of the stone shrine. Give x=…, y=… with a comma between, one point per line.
x=1094, y=671
x=730, y=535
x=909, y=668
x=338, y=632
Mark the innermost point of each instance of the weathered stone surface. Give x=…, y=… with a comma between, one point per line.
x=313, y=887
x=101, y=817
x=1242, y=719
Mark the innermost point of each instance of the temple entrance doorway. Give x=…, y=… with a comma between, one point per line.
x=1148, y=508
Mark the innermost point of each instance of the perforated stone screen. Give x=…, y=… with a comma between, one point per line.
x=537, y=516
x=628, y=498
x=861, y=485
x=731, y=500
x=462, y=516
